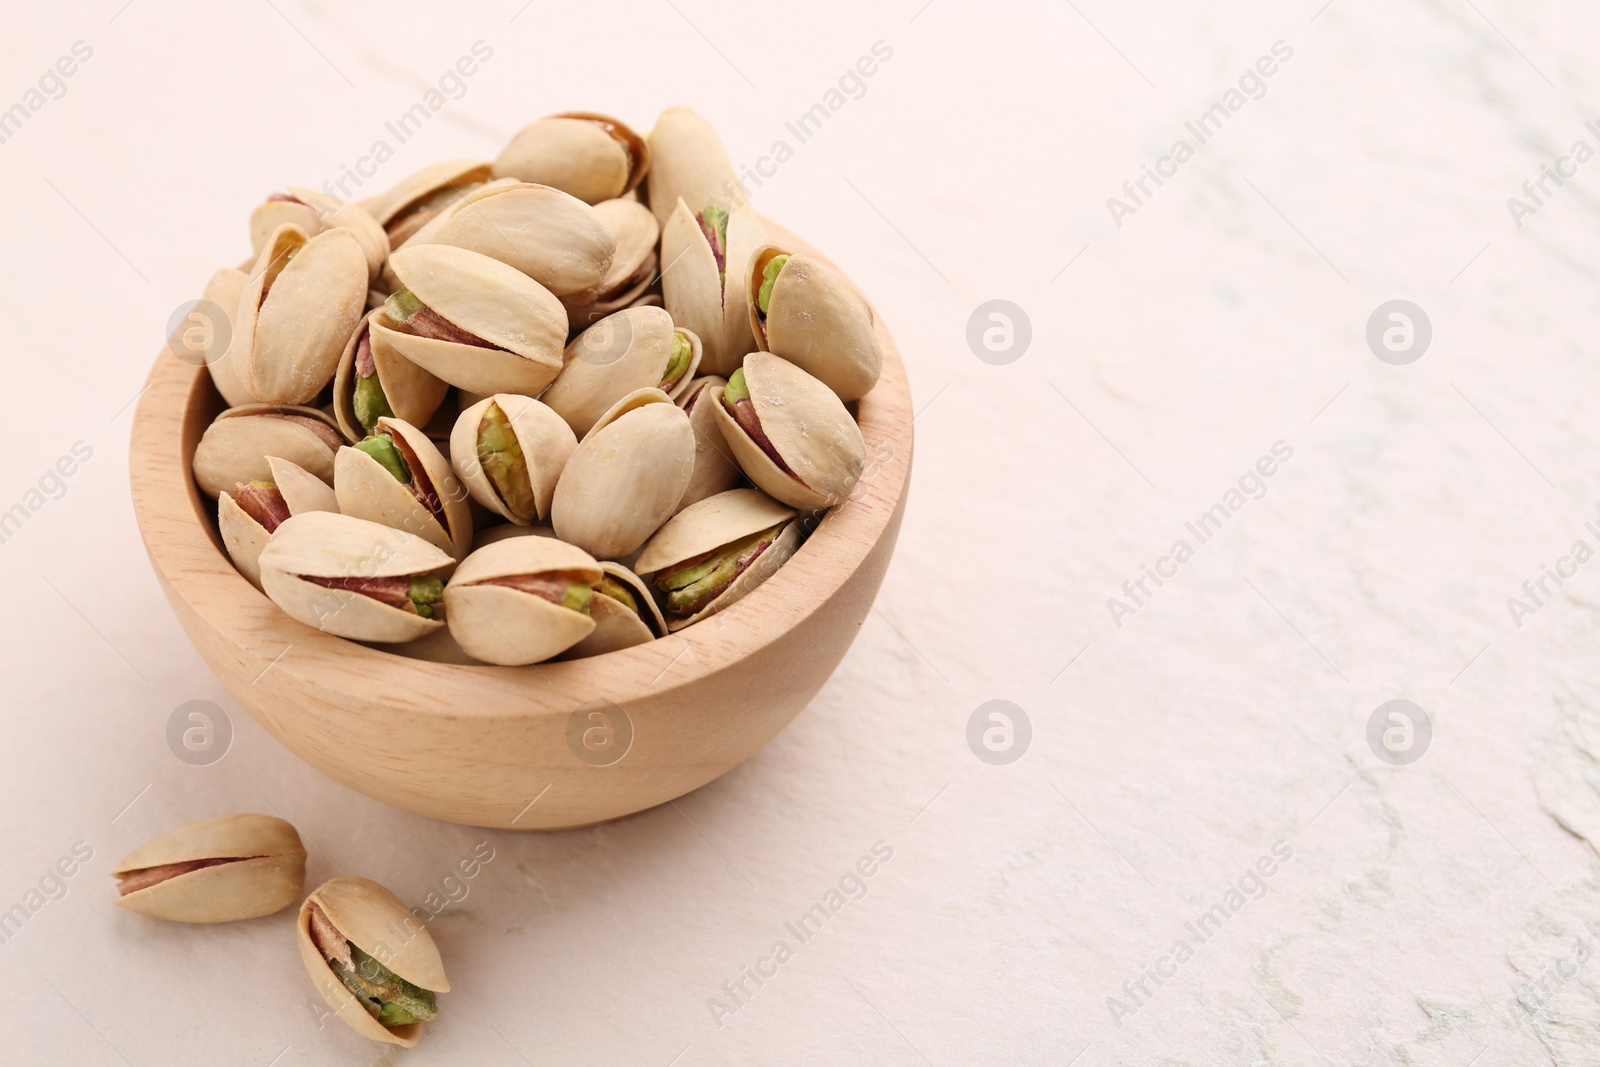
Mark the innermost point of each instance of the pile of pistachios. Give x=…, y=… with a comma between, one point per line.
x=368, y=955
x=589, y=340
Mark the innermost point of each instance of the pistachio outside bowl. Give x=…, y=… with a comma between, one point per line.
x=529, y=748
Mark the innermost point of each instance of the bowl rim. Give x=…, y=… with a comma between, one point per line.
x=175, y=522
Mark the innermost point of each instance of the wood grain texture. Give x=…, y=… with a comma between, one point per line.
x=489, y=746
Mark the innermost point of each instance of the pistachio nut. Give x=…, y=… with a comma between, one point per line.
x=587, y=155
x=419, y=198
x=555, y=239
x=304, y=298
x=688, y=162
x=236, y=445
x=227, y=369
x=624, y=614
x=374, y=380
x=633, y=265
x=247, y=517
x=509, y=451
x=313, y=212
x=790, y=433
x=521, y=600
x=472, y=321
x=714, y=468
x=399, y=478
x=353, y=578
x=707, y=253
x=216, y=871
x=712, y=553
x=638, y=348
x=373, y=963
x=626, y=477
x=810, y=315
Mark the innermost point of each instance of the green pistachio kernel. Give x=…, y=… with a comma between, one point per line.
x=371, y=403
x=769, y=275
x=610, y=587
x=688, y=585
x=736, y=390
x=402, y=305
x=500, y=456
x=382, y=449
x=425, y=592
x=577, y=597
x=682, y=351
x=390, y=999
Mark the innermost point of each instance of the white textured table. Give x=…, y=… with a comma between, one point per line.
x=1105, y=892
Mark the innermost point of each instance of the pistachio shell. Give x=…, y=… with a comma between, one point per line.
x=418, y=197
x=621, y=353
x=367, y=490
x=244, y=537
x=413, y=393
x=375, y=921
x=313, y=212
x=816, y=320
x=587, y=155
x=695, y=293
x=714, y=468
x=227, y=370
x=555, y=239
x=633, y=266
x=295, y=314
x=688, y=162
x=509, y=530
x=489, y=300
x=324, y=545
x=268, y=871
x=712, y=523
x=546, y=442
x=626, y=477
x=615, y=626
x=508, y=627
x=236, y=445
x=808, y=426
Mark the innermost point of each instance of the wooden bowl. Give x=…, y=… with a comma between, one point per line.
x=530, y=748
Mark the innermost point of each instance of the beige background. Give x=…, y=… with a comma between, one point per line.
x=1228, y=713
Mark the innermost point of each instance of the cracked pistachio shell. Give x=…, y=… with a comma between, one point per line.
x=587, y=155
x=413, y=393
x=489, y=300
x=688, y=162
x=374, y=920
x=303, y=299
x=227, y=369
x=324, y=545
x=709, y=525
x=633, y=266
x=816, y=320
x=366, y=490
x=807, y=425
x=714, y=468
x=626, y=477
x=546, y=442
x=616, y=626
x=244, y=537
x=695, y=293
x=508, y=530
x=417, y=199
x=313, y=212
x=555, y=239
x=267, y=874
x=508, y=627
x=236, y=445
x=621, y=353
